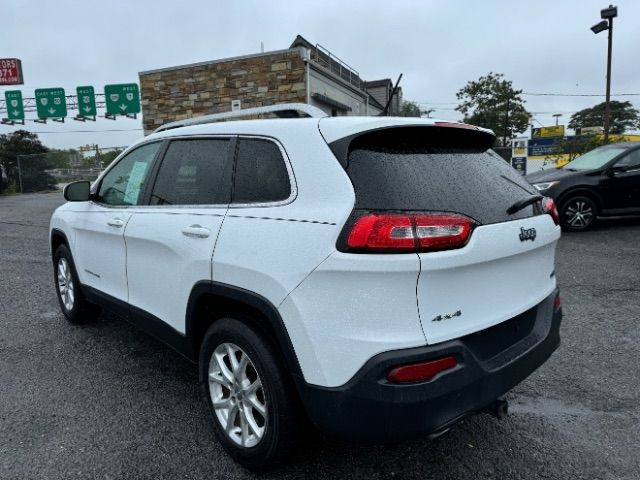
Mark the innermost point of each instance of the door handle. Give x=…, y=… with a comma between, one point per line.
x=196, y=231
x=115, y=222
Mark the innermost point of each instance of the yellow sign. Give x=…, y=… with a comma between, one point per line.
x=519, y=147
x=548, y=132
x=630, y=138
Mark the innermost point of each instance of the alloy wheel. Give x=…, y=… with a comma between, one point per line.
x=65, y=284
x=579, y=214
x=237, y=395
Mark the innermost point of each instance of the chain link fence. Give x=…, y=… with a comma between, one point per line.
x=504, y=152
x=50, y=171
x=563, y=150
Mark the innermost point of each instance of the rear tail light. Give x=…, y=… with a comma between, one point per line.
x=549, y=206
x=442, y=232
x=421, y=372
x=376, y=232
x=409, y=232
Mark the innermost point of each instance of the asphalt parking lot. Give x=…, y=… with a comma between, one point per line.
x=105, y=401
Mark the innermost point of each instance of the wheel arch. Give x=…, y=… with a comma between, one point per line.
x=56, y=239
x=209, y=301
x=581, y=191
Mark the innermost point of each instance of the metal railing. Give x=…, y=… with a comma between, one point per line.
x=326, y=59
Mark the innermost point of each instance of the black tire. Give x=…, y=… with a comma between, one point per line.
x=282, y=419
x=578, y=213
x=81, y=310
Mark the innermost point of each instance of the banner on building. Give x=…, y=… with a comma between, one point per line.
x=548, y=132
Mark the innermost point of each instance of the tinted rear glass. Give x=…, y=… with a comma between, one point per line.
x=194, y=172
x=261, y=174
x=434, y=169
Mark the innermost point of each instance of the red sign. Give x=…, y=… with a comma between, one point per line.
x=10, y=71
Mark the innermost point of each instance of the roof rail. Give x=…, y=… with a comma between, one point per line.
x=283, y=110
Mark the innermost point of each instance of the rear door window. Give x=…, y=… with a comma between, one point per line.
x=194, y=172
x=434, y=169
x=261, y=174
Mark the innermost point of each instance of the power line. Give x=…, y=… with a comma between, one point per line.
x=579, y=94
x=92, y=131
x=546, y=94
x=551, y=112
x=436, y=103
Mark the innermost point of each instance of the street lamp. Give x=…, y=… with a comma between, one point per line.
x=600, y=27
x=557, y=115
x=607, y=14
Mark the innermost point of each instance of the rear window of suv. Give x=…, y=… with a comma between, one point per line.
x=437, y=169
x=261, y=174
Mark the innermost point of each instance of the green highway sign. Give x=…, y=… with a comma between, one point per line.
x=51, y=103
x=122, y=99
x=13, y=101
x=86, y=101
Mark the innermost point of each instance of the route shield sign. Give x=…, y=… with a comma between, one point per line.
x=51, y=103
x=86, y=101
x=122, y=99
x=13, y=101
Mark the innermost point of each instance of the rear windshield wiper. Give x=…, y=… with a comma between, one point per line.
x=525, y=202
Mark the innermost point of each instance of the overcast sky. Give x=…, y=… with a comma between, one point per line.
x=543, y=46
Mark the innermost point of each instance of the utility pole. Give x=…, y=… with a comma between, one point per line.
x=607, y=105
x=607, y=14
x=506, y=124
x=19, y=173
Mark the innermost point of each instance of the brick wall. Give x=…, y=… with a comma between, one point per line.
x=190, y=91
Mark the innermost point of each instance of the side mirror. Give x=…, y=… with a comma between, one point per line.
x=611, y=171
x=77, y=191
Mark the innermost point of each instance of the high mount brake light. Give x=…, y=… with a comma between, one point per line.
x=393, y=232
x=549, y=206
x=456, y=125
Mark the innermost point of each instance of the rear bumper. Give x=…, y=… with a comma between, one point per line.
x=490, y=363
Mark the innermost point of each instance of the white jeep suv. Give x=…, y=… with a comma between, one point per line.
x=381, y=277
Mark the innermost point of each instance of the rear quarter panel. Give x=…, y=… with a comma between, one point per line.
x=270, y=249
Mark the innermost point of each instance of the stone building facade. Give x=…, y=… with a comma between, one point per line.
x=303, y=73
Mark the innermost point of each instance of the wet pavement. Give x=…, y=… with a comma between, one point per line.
x=106, y=401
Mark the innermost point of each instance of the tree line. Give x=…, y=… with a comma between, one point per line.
x=26, y=163
x=492, y=102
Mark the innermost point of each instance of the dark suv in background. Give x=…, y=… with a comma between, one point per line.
x=604, y=182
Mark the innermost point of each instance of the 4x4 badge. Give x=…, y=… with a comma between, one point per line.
x=527, y=234
x=449, y=316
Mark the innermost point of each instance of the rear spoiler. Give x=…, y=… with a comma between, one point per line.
x=450, y=136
